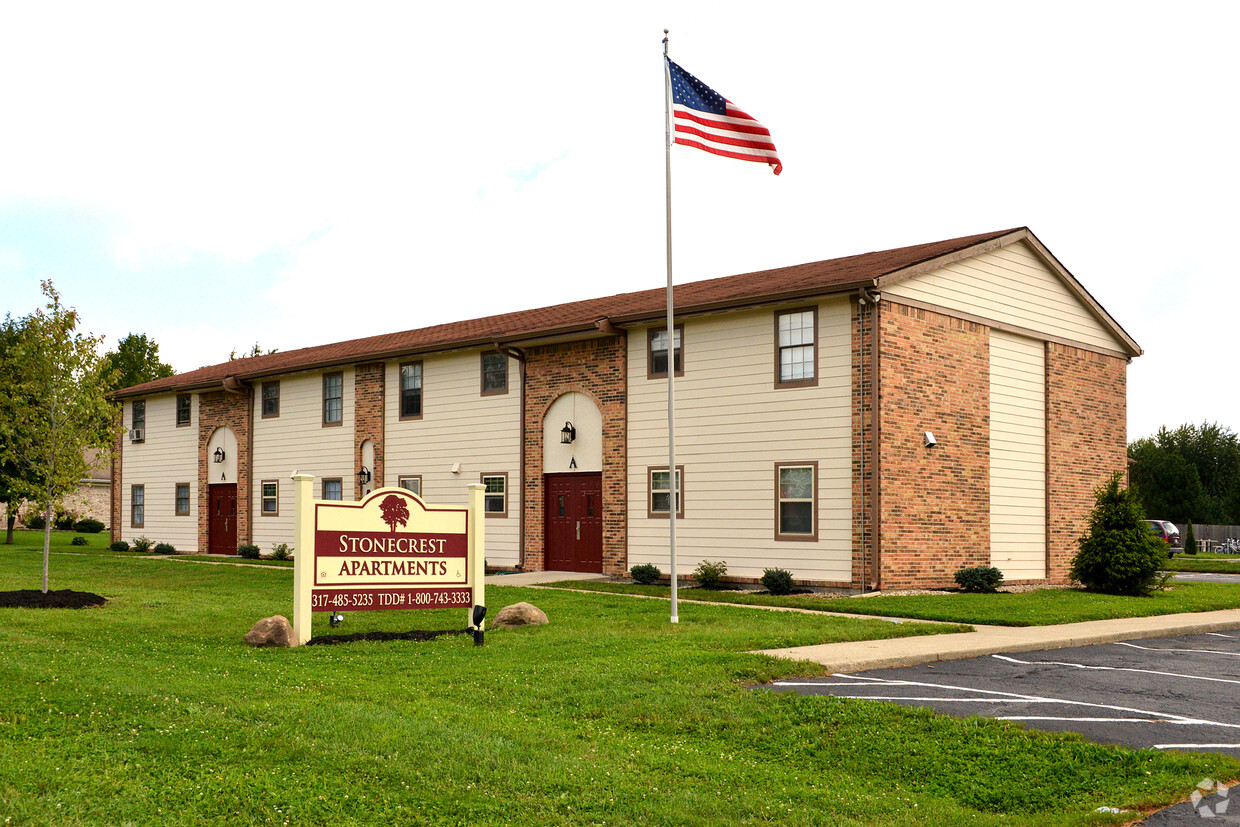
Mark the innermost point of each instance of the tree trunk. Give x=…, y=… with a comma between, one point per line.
x=47, y=541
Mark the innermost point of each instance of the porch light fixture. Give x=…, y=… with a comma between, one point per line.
x=219, y=454
x=335, y=619
x=363, y=476
x=567, y=434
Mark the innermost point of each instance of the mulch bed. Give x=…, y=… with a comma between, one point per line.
x=324, y=640
x=60, y=599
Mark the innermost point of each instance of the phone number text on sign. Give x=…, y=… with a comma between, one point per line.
x=339, y=600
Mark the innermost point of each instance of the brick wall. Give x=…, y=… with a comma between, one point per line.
x=218, y=409
x=368, y=384
x=935, y=502
x=862, y=445
x=596, y=368
x=1086, y=440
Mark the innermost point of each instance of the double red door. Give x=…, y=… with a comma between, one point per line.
x=222, y=519
x=573, y=517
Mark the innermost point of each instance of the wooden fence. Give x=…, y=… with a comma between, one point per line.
x=1213, y=533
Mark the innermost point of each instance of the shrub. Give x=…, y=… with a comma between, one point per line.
x=78, y=541
x=777, y=581
x=34, y=520
x=119, y=545
x=645, y=574
x=248, y=550
x=1118, y=554
x=165, y=548
x=88, y=526
x=710, y=575
x=1190, y=541
x=63, y=521
x=142, y=544
x=979, y=579
x=279, y=551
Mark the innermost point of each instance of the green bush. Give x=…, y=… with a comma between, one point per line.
x=710, y=575
x=63, y=521
x=119, y=545
x=34, y=520
x=142, y=544
x=1119, y=554
x=777, y=581
x=279, y=551
x=78, y=541
x=645, y=574
x=248, y=550
x=165, y=548
x=979, y=579
x=88, y=526
x=1190, y=541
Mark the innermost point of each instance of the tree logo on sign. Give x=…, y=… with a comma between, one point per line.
x=394, y=511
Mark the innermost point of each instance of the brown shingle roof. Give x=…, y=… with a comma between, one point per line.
x=817, y=277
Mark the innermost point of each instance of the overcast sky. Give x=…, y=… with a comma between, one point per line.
x=218, y=174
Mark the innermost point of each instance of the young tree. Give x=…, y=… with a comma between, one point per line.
x=135, y=360
x=54, y=407
x=1190, y=542
x=1118, y=554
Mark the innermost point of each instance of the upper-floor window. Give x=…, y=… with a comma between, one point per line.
x=333, y=489
x=271, y=399
x=139, y=417
x=183, y=410
x=795, y=364
x=333, y=398
x=656, y=344
x=495, y=498
x=494, y=373
x=411, y=390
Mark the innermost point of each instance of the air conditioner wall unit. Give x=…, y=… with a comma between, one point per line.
x=136, y=434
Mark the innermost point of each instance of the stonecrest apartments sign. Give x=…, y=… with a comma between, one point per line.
x=389, y=551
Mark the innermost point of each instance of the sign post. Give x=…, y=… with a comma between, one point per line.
x=389, y=551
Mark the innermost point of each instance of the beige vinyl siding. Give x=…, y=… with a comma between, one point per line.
x=459, y=425
x=1017, y=456
x=169, y=455
x=1013, y=286
x=732, y=426
x=297, y=441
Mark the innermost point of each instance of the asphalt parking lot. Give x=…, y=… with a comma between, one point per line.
x=1172, y=693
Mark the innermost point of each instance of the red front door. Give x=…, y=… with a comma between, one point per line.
x=573, y=517
x=222, y=522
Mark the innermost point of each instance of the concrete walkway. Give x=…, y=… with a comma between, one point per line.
x=855, y=656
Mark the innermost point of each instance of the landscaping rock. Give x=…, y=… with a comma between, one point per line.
x=271, y=631
x=519, y=614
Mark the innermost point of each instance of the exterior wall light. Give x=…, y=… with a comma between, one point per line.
x=219, y=454
x=363, y=476
x=930, y=441
x=567, y=434
x=335, y=619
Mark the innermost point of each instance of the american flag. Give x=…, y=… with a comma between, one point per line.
x=705, y=119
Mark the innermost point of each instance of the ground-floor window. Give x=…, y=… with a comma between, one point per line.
x=796, y=501
x=495, y=498
x=332, y=489
x=659, y=503
x=271, y=498
x=137, y=506
x=182, y=499
x=411, y=483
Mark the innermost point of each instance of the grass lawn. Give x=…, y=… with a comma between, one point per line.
x=1212, y=562
x=151, y=710
x=98, y=544
x=1038, y=608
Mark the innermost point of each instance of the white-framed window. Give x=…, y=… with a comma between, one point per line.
x=796, y=501
x=659, y=502
x=332, y=489
x=411, y=483
x=495, y=498
x=270, y=498
x=795, y=335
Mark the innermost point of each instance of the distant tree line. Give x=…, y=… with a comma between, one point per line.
x=1190, y=474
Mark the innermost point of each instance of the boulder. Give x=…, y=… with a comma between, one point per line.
x=271, y=631
x=519, y=614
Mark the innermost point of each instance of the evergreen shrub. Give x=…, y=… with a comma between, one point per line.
x=88, y=526
x=1119, y=554
x=165, y=548
x=777, y=581
x=645, y=574
x=78, y=541
x=248, y=550
x=979, y=579
x=1190, y=541
x=118, y=545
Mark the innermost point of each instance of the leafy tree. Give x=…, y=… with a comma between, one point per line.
x=54, y=407
x=1191, y=473
x=12, y=475
x=254, y=351
x=1118, y=554
x=135, y=361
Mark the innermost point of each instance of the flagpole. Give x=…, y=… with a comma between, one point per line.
x=674, y=489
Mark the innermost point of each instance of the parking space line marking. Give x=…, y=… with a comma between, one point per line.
x=1169, y=716
x=1161, y=649
x=1220, y=634
x=1112, y=669
x=1196, y=746
x=1085, y=720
